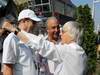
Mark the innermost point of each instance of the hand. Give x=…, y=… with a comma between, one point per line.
x=8, y=26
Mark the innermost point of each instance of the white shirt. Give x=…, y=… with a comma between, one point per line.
x=17, y=53
x=71, y=58
x=52, y=64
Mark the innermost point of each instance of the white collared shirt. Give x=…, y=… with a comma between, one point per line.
x=52, y=64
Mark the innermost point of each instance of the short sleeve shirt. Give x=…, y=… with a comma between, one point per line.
x=19, y=55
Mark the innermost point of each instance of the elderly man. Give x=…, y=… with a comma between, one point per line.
x=17, y=56
x=71, y=57
x=46, y=67
x=53, y=29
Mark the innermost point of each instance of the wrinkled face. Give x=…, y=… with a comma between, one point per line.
x=27, y=25
x=53, y=29
x=65, y=37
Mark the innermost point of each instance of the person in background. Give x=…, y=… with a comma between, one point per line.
x=53, y=35
x=53, y=29
x=17, y=57
x=46, y=67
x=70, y=56
x=5, y=13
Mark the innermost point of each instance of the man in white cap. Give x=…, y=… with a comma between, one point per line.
x=17, y=57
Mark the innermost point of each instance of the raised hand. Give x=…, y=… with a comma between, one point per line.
x=8, y=26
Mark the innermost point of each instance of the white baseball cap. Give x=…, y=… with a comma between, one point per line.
x=27, y=13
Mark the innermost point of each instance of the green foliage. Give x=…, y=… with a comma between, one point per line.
x=89, y=37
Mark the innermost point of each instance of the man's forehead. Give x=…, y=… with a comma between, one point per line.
x=52, y=23
x=53, y=20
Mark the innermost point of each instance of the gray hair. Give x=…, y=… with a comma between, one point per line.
x=74, y=29
x=50, y=18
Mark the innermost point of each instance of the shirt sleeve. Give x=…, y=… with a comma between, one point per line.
x=46, y=49
x=9, y=51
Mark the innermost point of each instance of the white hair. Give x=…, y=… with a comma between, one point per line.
x=74, y=29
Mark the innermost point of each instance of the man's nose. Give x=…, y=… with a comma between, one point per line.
x=56, y=30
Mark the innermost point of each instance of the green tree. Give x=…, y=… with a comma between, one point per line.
x=88, y=40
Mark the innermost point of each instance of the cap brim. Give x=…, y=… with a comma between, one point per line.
x=36, y=19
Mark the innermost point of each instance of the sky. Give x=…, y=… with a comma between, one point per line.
x=97, y=9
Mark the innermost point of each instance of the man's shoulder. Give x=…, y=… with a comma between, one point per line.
x=10, y=37
x=76, y=48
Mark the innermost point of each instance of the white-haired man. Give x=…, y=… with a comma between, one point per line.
x=17, y=57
